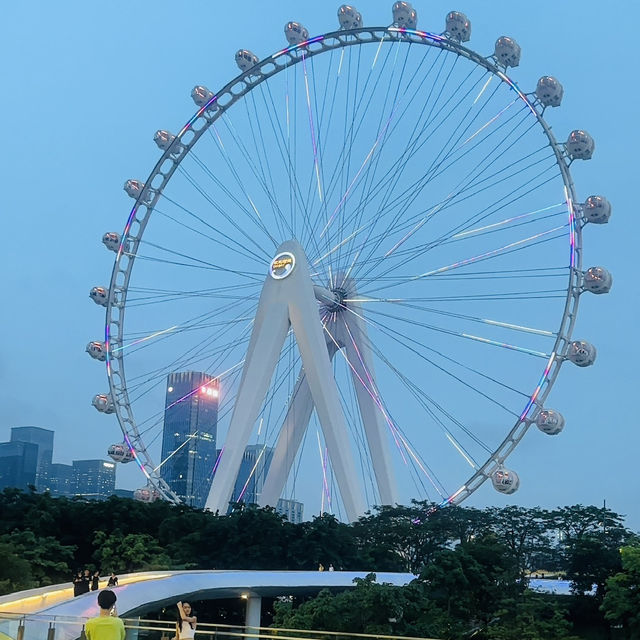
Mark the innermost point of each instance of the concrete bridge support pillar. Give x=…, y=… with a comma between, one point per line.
x=252, y=617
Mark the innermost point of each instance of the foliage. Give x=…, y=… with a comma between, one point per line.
x=472, y=563
x=15, y=571
x=621, y=603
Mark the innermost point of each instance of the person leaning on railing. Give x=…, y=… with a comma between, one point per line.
x=107, y=626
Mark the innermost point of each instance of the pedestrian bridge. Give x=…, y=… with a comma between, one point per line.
x=55, y=607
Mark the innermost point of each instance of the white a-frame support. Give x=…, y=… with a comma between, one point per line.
x=288, y=299
x=347, y=332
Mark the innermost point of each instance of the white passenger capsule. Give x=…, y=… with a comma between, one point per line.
x=134, y=188
x=295, y=33
x=103, y=403
x=507, y=52
x=581, y=353
x=404, y=15
x=458, y=26
x=146, y=494
x=505, y=481
x=164, y=140
x=580, y=145
x=596, y=209
x=201, y=95
x=597, y=280
x=549, y=91
x=100, y=295
x=245, y=59
x=550, y=422
x=97, y=350
x=349, y=17
x=111, y=240
x=120, y=452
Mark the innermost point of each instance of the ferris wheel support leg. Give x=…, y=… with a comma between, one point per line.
x=270, y=329
x=354, y=337
x=288, y=299
x=289, y=441
x=303, y=312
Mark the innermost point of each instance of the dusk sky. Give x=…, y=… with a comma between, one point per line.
x=85, y=88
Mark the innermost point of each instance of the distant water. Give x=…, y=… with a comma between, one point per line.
x=561, y=587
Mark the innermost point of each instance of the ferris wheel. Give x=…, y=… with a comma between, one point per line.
x=370, y=244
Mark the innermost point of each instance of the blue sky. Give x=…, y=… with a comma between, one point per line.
x=85, y=88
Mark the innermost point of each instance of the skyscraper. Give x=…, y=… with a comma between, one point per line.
x=59, y=480
x=18, y=464
x=189, y=435
x=43, y=438
x=292, y=509
x=94, y=478
x=252, y=473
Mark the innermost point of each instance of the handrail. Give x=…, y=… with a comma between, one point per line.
x=205, y=630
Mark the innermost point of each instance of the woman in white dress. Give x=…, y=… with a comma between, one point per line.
x=186, y=625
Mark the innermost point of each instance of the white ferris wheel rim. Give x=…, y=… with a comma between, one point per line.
x=184, y=141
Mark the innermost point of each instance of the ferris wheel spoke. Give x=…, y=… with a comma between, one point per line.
x=264, y=163
x=410, y=226
x=187, y=356
x=351, y=134
x=282, y=224
x=462, y=334
x=238, y=246
x=451, y=314
x=198, y=263
x=207, y=197
x=451, y=198
x=392, y=174
x=388, y=128
x=414, y=347
x=283, y=146
x=433, y=409
x=253, y=213
x=516, y=245
x=410, y=195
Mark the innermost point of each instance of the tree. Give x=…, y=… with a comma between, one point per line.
x=533, y=617
x=523, y=531
x=621, y=604
x=369, y=608
x=48, y=560
x=15, y=571
x=402, y=538
x=127, y=553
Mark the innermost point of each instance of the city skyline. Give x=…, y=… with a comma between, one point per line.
x=104, y=142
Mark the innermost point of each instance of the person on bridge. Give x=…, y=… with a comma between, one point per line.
x=78, y=584
x=113, y=580
x=107, y=626
x=186, y=624
x=95, y=581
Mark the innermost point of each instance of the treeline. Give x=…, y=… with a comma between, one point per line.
x=472, y=563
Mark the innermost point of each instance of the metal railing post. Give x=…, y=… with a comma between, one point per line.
x=20, y=634
x=51, y=632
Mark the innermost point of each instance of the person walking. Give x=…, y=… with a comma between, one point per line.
x=186, y=624
x=95, y=581
x=107, y=626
